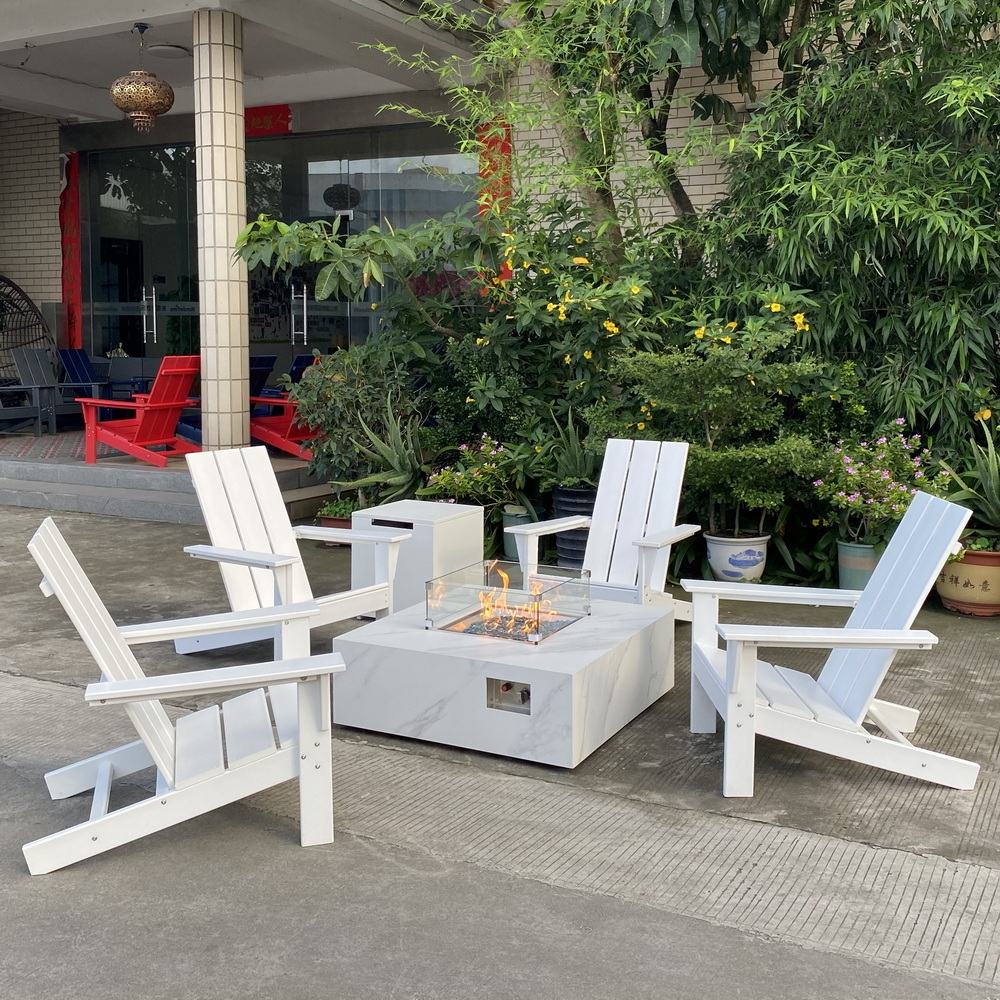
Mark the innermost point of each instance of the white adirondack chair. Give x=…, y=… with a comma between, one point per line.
x=632, y=527
x=828, y=713
x=207, y=758
x=255, y=545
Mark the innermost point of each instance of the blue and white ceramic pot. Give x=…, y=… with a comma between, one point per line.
x=737, y=560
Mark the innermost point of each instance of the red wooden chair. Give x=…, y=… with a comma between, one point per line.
x=156, y=414
x=282, y=430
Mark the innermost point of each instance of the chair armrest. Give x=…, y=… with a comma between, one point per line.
x=222, y=679
x=827, y=638
x=128, y=404
x=549, y=527
x=230, y=621
x=240, y=557
x=774, y=595
x=282, y=401
x=660, y=539
x=318, y=533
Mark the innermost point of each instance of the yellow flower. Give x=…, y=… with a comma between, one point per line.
x=815, y=522
x=731, y=326
x=567, y=359
x=479, y=340
x=580, y=260
x=538, y=447
x=644, y=409
x=983, y=415
x=799, y=319
x=579, y=239
x=562, y=312
x=546, y=270
x=775, y=307
x=725, y=340
x=469, y=399
x=610, y=327
x=640, y=426
x=550, y=306
x=635, y=289
x=588, y=354
x=509, y=251
x=525, y=264
x=374, y=305
x=700, y=332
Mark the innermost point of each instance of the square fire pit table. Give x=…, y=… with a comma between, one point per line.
x=553, y=703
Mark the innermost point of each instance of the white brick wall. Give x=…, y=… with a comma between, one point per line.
x=30, y=250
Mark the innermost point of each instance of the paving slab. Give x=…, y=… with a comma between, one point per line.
x=460, y=874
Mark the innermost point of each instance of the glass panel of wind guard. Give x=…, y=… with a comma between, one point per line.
x=494, y=599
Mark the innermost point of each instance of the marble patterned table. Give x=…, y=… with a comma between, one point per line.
x=554, y=703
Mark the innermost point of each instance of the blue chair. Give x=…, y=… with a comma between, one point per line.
x=261, y=366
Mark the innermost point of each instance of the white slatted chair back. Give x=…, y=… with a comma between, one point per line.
x=64, y=577
x=638, y=494
x=923, y=540
x=243, y=509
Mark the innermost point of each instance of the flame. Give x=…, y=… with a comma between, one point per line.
x=499, y=616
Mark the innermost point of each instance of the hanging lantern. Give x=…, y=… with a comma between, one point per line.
x=141, y=95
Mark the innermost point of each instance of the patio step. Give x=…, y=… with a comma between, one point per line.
x=132, y=491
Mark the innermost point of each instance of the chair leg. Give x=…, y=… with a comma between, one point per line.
x=741, y=705
x=89, y=435
x=704, y=718
x=315, y=763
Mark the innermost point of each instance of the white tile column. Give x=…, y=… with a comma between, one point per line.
x=220, y=154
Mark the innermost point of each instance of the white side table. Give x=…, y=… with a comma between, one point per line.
x=445, y=537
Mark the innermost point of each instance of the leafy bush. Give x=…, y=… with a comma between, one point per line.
x=979, y=488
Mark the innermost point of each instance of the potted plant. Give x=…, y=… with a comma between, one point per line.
x=570, y=470
x=337, y=513
x=487, y=473
x=971, y=583
x=728, y=392
x=869, y=484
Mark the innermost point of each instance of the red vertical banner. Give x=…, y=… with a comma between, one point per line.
x=72, y=269
x=495, y=151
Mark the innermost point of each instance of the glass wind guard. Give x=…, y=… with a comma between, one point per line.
x=495, y=599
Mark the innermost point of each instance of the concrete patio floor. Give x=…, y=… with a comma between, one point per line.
x=456, y=874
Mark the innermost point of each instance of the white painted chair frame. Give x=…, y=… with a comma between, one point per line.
x=257, y=550
x=632, y=527
x=828, y=713
x=208, y=758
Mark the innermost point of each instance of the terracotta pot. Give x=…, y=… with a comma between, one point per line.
x=971, y=585
x=333, y=522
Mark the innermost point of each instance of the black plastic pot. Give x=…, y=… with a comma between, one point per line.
x=572, y=501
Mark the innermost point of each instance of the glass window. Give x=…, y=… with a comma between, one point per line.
x=141, y=218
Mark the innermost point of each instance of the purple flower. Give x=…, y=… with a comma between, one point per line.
x=900, y=420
